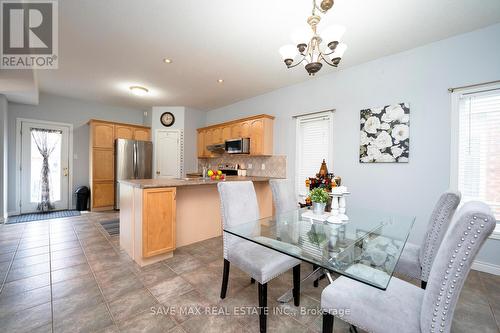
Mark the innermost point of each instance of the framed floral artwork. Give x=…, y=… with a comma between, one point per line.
x=385, y=134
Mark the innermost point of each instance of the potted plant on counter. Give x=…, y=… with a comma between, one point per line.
x=319, y=198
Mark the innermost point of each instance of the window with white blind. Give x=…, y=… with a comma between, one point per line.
x=314, y=143
x=476, y=164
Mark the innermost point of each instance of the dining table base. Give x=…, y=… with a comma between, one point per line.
x=314, y=275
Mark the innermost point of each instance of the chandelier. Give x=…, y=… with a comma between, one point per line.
x=311, y=51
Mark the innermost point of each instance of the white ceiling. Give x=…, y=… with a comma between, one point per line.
x=19, y=86
x=105, y=46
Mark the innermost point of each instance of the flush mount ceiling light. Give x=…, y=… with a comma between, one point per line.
x=311, y=48
x=139, y=91
x=167, y=60
x=220, y=80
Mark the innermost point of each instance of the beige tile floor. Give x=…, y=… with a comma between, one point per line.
x=68, y=275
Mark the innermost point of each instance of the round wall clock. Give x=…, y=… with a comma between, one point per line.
x=167, y=119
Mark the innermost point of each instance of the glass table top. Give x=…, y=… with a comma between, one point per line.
x=366, y=247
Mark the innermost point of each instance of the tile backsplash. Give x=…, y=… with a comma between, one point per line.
x=274, y=166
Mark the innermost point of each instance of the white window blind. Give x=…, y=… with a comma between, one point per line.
x=479, y=148
x=314, y=143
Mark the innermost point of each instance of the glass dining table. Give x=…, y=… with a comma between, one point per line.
x=366, y=247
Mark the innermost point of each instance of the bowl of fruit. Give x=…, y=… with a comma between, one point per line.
x=216, y=175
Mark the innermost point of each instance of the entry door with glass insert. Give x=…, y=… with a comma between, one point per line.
x=44, y=167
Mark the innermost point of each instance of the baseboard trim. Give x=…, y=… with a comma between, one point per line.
x=13, y=213
x=486, y=267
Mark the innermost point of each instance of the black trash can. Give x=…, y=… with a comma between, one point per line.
x=82, y=197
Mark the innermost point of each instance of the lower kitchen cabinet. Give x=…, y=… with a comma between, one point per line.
x=158, y=221
x=103, y=195
x=147, y=223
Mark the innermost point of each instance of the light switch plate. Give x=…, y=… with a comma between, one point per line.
x=249, y=165
x=263, y=166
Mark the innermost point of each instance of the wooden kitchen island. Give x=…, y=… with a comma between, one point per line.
x=158, y=215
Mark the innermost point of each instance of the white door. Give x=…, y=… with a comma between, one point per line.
x=168, y=154
x=44, y=181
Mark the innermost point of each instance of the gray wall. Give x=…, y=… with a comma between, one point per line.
x=420, y=77
x=156, y=112
x=186, y=119
x=65, y=110
x=193, y=119
x=3, y=156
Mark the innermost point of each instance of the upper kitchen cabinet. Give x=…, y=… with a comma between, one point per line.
x=208, y=140
x=236, y=131
x=102, y=158
x=142, y=134
x=261, y=136
x=245, y=129
x=204, y=139
x=102, y=133
x=217, y=135
x=226, y=133
x=258, y=128
x=201, y=144
x=124, y=132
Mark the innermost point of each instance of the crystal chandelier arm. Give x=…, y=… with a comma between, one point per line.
x=322, y=56
x=298, y=63
x=327, y=54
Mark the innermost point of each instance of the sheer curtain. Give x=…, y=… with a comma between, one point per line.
x=45, y=148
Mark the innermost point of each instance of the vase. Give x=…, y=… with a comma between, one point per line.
x=318, y=208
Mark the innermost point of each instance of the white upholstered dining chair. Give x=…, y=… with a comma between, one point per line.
x=285, y=200
x=283, y=195
x=239, y=205
x=416, y=260
x=403, y=307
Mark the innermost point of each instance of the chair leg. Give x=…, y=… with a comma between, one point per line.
x=225, y=278
x=423, y=284
x=296, y=285
x=327, y=323
x=263, y=307
x=316, y=284
x=252, y=280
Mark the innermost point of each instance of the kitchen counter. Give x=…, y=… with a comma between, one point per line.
x=159, y=215
x=177, y=182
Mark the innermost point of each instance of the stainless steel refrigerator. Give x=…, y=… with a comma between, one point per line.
x=133, y=160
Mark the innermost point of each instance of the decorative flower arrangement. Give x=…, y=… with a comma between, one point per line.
x=319, y=195
x=326, y=183
x=385, y=134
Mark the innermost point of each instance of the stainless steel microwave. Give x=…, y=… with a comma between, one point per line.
x=238, y=146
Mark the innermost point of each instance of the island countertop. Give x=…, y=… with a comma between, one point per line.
x=176, y=182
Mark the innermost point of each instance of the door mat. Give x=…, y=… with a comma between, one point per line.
x=112, y=227
x=41, y=216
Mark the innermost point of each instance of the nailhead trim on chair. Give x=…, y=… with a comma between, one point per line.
x=448, y=286
x=431, y=244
